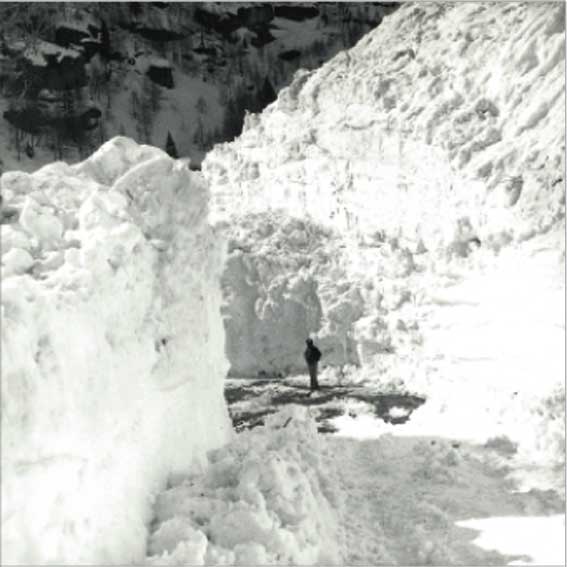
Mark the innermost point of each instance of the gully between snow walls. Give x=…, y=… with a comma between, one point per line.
x=439, y=132
x=112, y=350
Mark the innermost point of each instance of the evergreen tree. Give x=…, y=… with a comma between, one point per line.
x=267, y=94
x=170, y=147
x=105, y=40
x=202, y=108
x=230, y=126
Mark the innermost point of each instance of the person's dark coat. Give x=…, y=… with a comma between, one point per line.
x=312, y=354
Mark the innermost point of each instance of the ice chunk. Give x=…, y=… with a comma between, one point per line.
x=40, y=221
x=16, y=261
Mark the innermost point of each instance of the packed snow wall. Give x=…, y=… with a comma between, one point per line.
x=447, y=118
x=112, y=350
x=440, y=132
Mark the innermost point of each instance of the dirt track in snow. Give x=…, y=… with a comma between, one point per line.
x=251, y=400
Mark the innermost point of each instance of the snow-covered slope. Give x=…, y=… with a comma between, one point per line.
x=79, y=74
x=456, y=132
x=433, y=154
x=451, y=142
x=112, y=350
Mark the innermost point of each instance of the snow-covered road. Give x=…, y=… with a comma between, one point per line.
x=438, y=468
x=404, y=497
x=368, y=493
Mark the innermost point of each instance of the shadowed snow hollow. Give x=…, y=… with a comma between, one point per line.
x=112, y=350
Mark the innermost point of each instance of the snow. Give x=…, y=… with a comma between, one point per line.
x=264, y=499
x=414, y=185
x=297, y=35
x=282, y=493
x=16, y=261
x=271, y=288
x=132, y=105
x=176, y=113
x=538, y=538
x=404, y=205
x=112, y=351
x=36, y=53
x=159, y=62
x=368, y=133
x=434, y=253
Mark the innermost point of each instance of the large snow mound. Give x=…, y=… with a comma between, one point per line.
x=112, y=350
x=445, y=123
x=268, y=498
x=400, y=147
x=271, y=288
x=283, y=494
x=432, y=154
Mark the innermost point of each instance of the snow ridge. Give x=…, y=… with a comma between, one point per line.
x=112, y=350
x=461, y=122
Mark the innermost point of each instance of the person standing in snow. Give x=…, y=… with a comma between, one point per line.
x=312, y=356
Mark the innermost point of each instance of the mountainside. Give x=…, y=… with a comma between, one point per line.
x=175, y=75
x=404, y=206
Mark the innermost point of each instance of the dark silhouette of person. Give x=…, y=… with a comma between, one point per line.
x=312, y=356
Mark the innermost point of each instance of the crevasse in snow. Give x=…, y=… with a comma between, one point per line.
x=112, y=350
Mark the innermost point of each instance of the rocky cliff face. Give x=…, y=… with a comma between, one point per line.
x=73, y=75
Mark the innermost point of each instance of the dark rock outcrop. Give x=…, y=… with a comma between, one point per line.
x=162, y=76
x=28, y=119
x=296, y=12
x=66, y=36
x=61, y=72
x=32, y=119
x=289, y=55
x=257, y=15
x=159, y=34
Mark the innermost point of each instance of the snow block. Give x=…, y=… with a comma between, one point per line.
x=112, y=352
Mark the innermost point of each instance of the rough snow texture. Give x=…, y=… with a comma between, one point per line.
x=283, y=494
x=431, y=146
x=372, y=145
x=289, y=277
x=274, y=286
x=454, y=131
x=266, y=499
x=112, y=350
x=432, y=153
